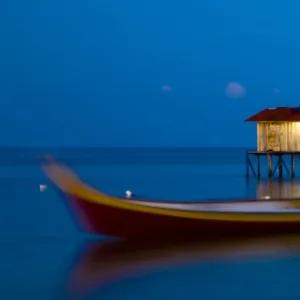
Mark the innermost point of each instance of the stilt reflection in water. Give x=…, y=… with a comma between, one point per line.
x=284, y=189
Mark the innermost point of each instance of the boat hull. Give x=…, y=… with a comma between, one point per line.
x=102, y=214
x=118, y=222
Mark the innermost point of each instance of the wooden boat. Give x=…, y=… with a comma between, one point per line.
x=99, y=213
x=101, y=263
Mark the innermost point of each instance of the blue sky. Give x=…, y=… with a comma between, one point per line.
x=90, y=73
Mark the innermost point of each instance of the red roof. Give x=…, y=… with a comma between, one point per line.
x=284, y=114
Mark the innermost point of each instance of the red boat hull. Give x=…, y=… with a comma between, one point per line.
x=102, y=214
x=118, y=222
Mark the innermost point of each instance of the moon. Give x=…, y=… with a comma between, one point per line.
x=235, y=90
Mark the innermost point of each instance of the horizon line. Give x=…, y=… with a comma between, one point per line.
x=124, y=147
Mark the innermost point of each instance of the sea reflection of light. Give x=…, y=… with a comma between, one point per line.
x=102, y=264
x=270, y=189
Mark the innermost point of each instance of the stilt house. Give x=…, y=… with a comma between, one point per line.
x=278, y=129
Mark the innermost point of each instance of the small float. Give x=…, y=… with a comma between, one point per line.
x=99, y=213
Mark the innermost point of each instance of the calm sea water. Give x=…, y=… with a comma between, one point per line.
x=40, y=247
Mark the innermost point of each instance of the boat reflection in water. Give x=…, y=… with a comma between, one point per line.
x=102, y=263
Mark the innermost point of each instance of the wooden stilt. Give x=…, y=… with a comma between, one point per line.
x=280, y=173
x=270, y=165
x=258, y=165
x=251, y=166
x=247, y=165
x=275, y=168
x=293, y=165
x=280, y=165
x=285, y=166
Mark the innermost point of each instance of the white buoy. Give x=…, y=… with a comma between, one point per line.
x=43, y=187
x=266, y=197
x=128, y=194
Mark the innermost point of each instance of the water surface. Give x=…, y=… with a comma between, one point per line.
x=40, y=246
